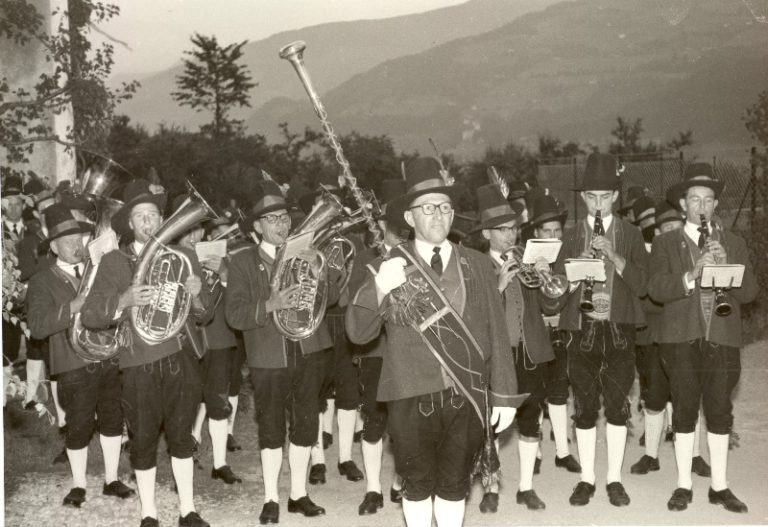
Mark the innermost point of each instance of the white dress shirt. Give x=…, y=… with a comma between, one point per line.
x=425, y=251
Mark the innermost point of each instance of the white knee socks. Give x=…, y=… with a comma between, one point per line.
x=654, y=426
x=317, y=454
x=683, y=455
x=183, y=473
x=271, y=462
x=60, y=415
x=110, y=448
x=718, y=458
x=35, y=374
x=145, y=482
x=233, y=400
x=197, y=429
x=527, y=450
x=585, y=440
x=218, y=430
x=298, y=459
x=346, y=421
x=78, y=461
x=449, y=513
x=327, y=416
x=616, y=438
x=558, y=416
x=372, y=464
x=418, y=513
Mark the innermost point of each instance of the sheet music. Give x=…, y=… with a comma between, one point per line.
x=578, y=269
x=100, y=246
x=721, y=275
x=294, y=245
x=208, y=250
x=546, y=248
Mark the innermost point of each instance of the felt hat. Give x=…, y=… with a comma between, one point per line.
x=633, y=194
x=696, y=175
x=600, y=173
x=329, y=182
x=267, y=198
x=423, y=175
x=545, y=209
x=517, y=189
x=389, y=190
x=12, y=186
x=493, y=208
x=666, y=212
x=644, y=210
x=135, y=193
x=61, y=222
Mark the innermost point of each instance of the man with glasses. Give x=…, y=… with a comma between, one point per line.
x=286, y=374
x=431, y=379
x=601, y=343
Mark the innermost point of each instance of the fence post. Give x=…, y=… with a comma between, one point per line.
x=753, y=184
x=575, y=194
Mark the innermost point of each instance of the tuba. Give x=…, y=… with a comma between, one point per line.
x=309, y=269
x=167, y=269
x=88, y=344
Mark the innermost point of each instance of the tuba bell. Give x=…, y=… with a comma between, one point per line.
x=167, y=269
x=309, y=270
x=91, y=345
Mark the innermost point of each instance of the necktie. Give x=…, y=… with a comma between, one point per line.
x=504, y=257
x=436, y=262
x=77, y=272
x=15, y=229
x=701, y=240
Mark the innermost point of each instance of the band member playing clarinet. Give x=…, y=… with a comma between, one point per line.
x=432, y=381
x=699, y=343
x=86, y=389
x=286, y=374
x=601, y=342
x=160, y=386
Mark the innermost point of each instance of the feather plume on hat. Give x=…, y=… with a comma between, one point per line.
x=496, y=179
x=284, y=188
x=447, y=177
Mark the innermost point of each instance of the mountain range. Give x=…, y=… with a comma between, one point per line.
x=568, y=69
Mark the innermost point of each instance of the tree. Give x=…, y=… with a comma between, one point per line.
x=213, y=81
x=756, y=118
x=551, y=147
x=77, y=76
x=628, y=140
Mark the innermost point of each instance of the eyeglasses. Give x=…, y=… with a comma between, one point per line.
x=274, y=218
x=504, y=230
x=428, y=209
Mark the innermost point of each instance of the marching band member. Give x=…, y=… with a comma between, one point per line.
x=700, y=349
x=86, y=389
x=286, y=374
x=601, y=358
x=435, y=417
x=548, y=220
x=160, y=386
x=369, y=358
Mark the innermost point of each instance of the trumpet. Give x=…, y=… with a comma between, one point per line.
x=552, y=286
x=722, y=307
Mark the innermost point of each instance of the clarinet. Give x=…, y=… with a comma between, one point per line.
x=586, y=304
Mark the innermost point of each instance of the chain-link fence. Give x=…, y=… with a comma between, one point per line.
x=742, y=207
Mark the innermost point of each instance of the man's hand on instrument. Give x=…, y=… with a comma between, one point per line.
x=193, y=285
x=541, y=265
x=76, y=304
x=717, y=250
x=508, y=271
x=285, y=299
x=136, y=295
x=502, y=417
x=705, y=259
x=391, y=275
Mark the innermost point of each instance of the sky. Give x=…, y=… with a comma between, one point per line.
x=158, y=31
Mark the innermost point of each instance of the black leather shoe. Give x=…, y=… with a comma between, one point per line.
x=350, y=470
x=270, y=513
x=490, y=502
x=582, y=493
x=530, y=499
x=149, y=521
x=645, y=465
x=617, y=495
x=75, y=498
x=61, y=457
x=305, y=506
x=232, y=444
x=372, y=502
x=700, y=467
x=317, y=474
x=395, y=495
x=192, y=519
x=327, y=440
x=118, y=489
x=225, y=474
x=569, y=463
x=537, y=465
x=680, y=499
x=726, y=498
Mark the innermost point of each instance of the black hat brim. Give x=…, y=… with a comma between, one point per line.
x=82, y=228
x=398, y=206
x=120, y=219
x=494, y=222
x=550, y=216
x=253, y=216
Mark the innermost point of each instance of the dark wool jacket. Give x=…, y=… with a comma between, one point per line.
x=114, y=276
x=245, y=300
x=48, y=297
x=682, y=319
x=628, y=288
x=409, y=368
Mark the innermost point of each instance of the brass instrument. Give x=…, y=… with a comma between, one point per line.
x=167, y=269
x=722, y=307
x=211, y=279
x=552, y=286
x=90, y=345
x=586, y=304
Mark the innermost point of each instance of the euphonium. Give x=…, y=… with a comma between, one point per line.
x=309, y=270
x=552, y=286
x=167, y=269
x=88, y=344
x=722, y=307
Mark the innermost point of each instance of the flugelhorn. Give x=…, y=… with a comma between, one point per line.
x=166, y=269
x=552, y=286
x=722, y=307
